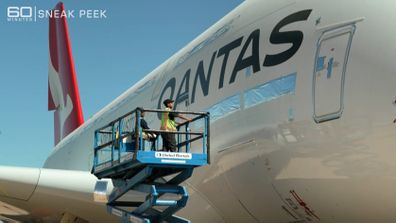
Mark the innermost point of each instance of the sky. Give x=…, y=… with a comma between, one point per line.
x=110, y=55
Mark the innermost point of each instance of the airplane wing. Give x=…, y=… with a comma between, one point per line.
x=30, y=193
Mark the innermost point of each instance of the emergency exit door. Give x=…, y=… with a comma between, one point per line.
x=329, y=73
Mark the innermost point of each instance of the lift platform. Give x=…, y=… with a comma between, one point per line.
x=133, y=158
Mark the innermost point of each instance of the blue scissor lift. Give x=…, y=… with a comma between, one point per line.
x=131, y=157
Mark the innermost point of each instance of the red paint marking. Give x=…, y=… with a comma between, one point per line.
x=300, y=201
x=62, y=61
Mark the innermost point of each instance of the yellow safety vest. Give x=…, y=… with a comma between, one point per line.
x=170, y=124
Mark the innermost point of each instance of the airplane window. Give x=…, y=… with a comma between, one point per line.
x=224, y=107
x=271, y=90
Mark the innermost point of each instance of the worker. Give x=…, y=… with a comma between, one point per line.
x=147, y=135
x=168, y=123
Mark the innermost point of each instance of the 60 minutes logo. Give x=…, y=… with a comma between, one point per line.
x=23, y=12
x=29, y=13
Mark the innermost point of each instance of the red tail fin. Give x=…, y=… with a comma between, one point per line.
x=63, y=95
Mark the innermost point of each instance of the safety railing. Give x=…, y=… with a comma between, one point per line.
x=124, y=139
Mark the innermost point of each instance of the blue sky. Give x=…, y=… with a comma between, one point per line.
x=110, y=55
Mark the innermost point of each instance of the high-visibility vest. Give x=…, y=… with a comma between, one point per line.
x=170, y=124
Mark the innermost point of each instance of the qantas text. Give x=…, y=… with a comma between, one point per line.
x=244, y=60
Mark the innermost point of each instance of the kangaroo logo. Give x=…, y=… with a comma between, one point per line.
x=64, y=107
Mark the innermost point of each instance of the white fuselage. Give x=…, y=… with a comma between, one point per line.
x=306, y=139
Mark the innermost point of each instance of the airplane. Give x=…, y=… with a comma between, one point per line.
x=302, y=101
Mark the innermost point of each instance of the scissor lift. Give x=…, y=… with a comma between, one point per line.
x=121, y=153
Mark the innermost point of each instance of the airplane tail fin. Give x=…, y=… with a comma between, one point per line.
x=63, y=95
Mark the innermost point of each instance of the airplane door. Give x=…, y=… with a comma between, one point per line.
x=329, y=72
